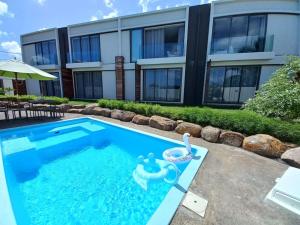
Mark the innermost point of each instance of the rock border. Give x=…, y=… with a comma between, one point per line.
x=262, y=144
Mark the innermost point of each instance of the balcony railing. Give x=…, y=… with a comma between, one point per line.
x=163, y=50
x=242, y=44
x=39, y=60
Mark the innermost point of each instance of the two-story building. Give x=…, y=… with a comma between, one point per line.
x=212, y=54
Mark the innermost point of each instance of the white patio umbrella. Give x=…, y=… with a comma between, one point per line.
x=18, y=70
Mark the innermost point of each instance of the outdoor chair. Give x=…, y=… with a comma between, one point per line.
x=5, y=111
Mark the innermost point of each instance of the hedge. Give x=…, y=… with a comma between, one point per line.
x=25, y=98
x=243, y=121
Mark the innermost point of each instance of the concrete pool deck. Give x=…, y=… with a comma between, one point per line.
x=235, y=182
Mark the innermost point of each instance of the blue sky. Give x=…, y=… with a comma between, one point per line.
x=23, y=16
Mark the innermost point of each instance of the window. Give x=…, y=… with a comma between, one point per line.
x=51, y=87
x=88, y=85
x=45, y=53
x=237, y=34
x=157, y=42
x=232, y=85
x=136, y=44
x=162, y=85
x=86, y=48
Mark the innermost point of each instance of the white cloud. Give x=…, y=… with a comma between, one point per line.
x=144, y=4
x=12, y=47
x=4, y=10
x=3, y=33
x=158, y=7
x=93, y=18
x=112, y=14
x=109, y=3
x=41, y=2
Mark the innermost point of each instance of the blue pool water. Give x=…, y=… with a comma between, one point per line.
x=80, y=172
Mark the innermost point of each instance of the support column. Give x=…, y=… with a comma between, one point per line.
x=120, y=77
x=137, y=82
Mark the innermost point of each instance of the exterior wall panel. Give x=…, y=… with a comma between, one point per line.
x=126, y=46
x=236, y=7
x=154, y=18
x=109, y=84
x=109, y=47
x=38, y=36
x=130, y=85
x=196, y=54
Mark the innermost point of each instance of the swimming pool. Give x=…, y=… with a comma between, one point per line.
x=80, y=172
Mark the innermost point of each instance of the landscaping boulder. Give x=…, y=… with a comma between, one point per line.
x=192, y=129
x=210, y=134
x=89, y=109
x=75, y=110
x=141, y=120
x=101, y=111
x=264, y=145
x=64, y=107
x=162, y=123
x=231, y=138
x=78, y=106
x=292, y=157
x=125, y=116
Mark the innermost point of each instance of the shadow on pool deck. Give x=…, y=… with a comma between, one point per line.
x=235, y=183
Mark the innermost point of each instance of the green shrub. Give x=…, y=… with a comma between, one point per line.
x=25, y=98
x=17, y=98
x=280, y=97
x=244, y=121
x=53, y=100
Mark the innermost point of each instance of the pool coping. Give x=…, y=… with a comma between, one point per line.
x=163, y=214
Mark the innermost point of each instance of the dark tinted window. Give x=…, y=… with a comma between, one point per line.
x=233, y=85
x=88, y=85
x=86, y=49
x=162, y=85
x=236, y=34
x=136, y=44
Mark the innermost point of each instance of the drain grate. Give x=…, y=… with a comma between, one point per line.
x=195, y=203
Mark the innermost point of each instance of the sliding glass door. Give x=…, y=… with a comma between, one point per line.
x=232, y=85
x=51, y=87
x=88, y=85
x=162, y=85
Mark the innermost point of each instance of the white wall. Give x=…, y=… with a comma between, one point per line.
x=126, y=45
x=242, y=6
x=130, y=85
x=100, y=26
x=33, y=87
x=43, y=35
x=286, y=33
x=109, y=84
x=109, y=47
x=266, y=73
x=154, y=18
x=28, y=53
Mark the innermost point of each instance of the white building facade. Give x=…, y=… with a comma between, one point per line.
x=212, y=54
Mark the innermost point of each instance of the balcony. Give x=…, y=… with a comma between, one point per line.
x=44, y=63
x=242, y=48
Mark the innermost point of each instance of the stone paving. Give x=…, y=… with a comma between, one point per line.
x=234, y=181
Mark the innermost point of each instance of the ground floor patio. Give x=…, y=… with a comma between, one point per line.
x=235, y=182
